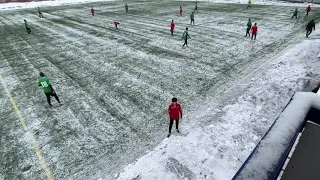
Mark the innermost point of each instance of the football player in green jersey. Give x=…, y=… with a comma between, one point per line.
x=185, y=36
x=27, y=26
x=47, y=88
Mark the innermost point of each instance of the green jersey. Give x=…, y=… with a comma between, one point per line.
x=295, y=11
x=186, y=35
x=39, y=10
x=249, y=24
x=26, y=25
x=46, y=85
x=192, y=16
x=126, y=6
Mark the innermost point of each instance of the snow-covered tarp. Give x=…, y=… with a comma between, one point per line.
x=265, y=158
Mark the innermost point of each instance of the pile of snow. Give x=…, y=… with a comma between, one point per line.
x=11, y=6
x=216, y=141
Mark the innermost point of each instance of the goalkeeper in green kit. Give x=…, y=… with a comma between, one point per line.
x=47, y=88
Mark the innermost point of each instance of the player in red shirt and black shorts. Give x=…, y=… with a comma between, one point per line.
x=175, y=113
x=254, y=31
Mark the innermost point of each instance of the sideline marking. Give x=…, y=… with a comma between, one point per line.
x=32, y=138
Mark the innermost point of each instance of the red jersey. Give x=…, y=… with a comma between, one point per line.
x=308, y=9
x=116, y=24
x=92, y=10
x=180, y=10
x=175, y=111
x=254, y=29
x=172, y=26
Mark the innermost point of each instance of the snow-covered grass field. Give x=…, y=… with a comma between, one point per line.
x=115, y=85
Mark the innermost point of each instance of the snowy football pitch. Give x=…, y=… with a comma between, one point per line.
x=115, y=84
